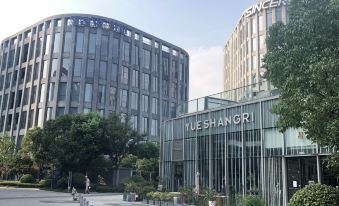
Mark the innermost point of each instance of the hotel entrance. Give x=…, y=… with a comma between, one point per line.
x=301, y=171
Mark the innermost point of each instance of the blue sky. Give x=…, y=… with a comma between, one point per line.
x=201, y=27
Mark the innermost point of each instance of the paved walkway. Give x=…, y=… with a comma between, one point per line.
x=35, y=197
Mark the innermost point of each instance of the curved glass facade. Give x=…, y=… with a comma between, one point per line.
x=238, y=150
x=74, y=63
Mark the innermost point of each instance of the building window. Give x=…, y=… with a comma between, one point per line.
x=261, y=42
x=115, y=48
x=62, y=91
x=40, y=117
x=154, y=127
x=145, y=81
x=144, y=125
x=36, y=71
x=268, y=19
x=101, y=94
x=261, y=23
x=114, y=72
x=174, y=70
x=126, y=52
x=75, y=92
x=134, y=122
x=103, y=70
x=165, y=88
x=154, y=84
x=54, y=68
x=154, y=105
x=77, y=67
x=73, y=110
x=56, y=45
x=156, y=63
x=144, y=103
x=51, y=91
x=67, y=42
x=173, y=110
x=90, y=68
x=87, y=110
x=112, y=97
x=123, y=98
x=136, y=55
x=165, y=66
x=135, y=78
x=66, y=67
x=79, y=42
x=42, y=93
x=254, y=25
x=174, y=90
x=88, y=93
x=104, y=46
x=60, y=111
x=254, y=44
x=38, y=46
x=134, y=100
x=49, y=113
x=147, y=59
x=47, y=44
x=181, y=72
x=254, y=62
x=165, y=108
x=278, y=16
x=45, y=69
x=91, y=44
x=124, y=75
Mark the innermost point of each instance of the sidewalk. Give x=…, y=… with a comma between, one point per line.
x=108, y=199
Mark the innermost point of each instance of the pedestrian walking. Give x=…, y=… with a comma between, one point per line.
x=88, y=182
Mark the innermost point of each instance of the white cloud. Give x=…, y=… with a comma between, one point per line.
x=206, y=71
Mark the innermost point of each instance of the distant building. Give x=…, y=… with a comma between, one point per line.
x=246, y=47
x=74, y=63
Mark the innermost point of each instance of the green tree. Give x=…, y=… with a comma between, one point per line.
x=302, y=61
x=7, y=149
x=128, y=161
x=119, y=137
x=146, y=150
x=147, y=167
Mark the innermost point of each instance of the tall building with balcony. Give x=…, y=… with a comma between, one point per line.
x=245, y=48
x=74, y=63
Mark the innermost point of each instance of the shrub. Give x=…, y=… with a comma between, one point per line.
x=45, y=183
x=28, y=178
x=19, y=184
x=252, y=200
x=314, y=195
x=78, y=180
x=62, y=183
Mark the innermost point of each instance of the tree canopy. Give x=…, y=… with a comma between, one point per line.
x=302, y=61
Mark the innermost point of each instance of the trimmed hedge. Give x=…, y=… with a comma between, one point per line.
x=252, y=200
x=19, y=184
x=315, y=195
x=28, y=178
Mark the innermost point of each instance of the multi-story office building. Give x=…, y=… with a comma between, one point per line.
x=245, y=48
x=74, y=63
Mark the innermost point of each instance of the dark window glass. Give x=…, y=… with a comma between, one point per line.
x=60, y=111
x=126, y=52
x=145, y=81
x=90, y=68
x=62, y=91
x=51, y=91
x=104, y=46
x=36, y=71
x=124, y=75
x=11, y=58
x=73, y=110
x=144, y=103
x=165, y=66
x=31, y=49
x=112, y=97
x=103, y=70
x=136, y=55
x=134, y=100
x=135, y=78
x=66, y=66
x=101, y=94
x=114, y=72
x=77, y=67
x=75, y=92
x=147, y=59
x=79, y=42
x=91, y=43
x=115, y=48
x=88, y=93
x=33, y=95
x=67, y=42
x=123, y=98
x=54, y=68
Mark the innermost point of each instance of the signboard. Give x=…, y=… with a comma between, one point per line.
x=221, y=122
x=263, y=5
x=98, y=22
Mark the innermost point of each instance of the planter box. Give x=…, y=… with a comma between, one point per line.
x=157, y=202
x=145, y=201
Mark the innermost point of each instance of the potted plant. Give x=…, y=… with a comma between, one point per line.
x=210, y=195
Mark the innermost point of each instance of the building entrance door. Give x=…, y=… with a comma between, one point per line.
x=178, y=175
x=301, y=171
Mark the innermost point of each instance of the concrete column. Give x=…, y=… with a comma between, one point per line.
x=319, y=169
x=284, y=179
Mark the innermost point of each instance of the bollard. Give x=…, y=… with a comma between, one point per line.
x=175, y=201
x=81, y=200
